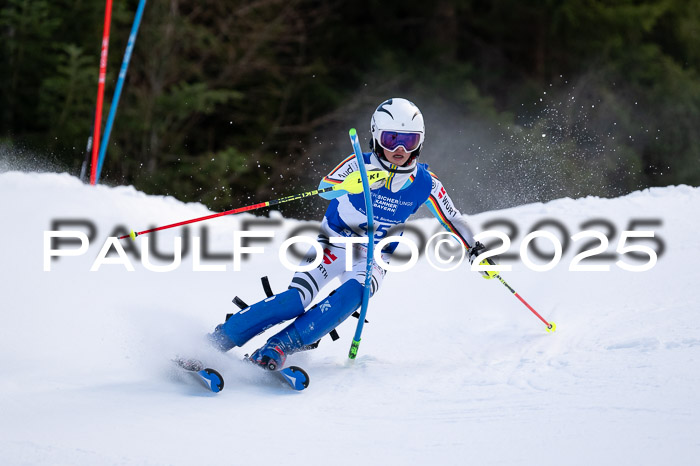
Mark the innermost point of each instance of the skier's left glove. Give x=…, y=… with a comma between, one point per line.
x=474, y=252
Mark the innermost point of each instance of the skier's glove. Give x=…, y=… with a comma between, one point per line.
x=474, y=252
x=376, y=184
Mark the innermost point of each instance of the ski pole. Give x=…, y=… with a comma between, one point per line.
x=352, y=184
x=370, y=245
x=551, y=326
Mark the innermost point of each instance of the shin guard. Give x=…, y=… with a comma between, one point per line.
x=255, y=319
x=315, y=323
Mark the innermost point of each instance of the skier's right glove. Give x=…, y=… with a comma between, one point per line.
x=474, y=252
x=371, y=169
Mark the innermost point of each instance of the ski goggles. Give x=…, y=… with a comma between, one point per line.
x=391, y=140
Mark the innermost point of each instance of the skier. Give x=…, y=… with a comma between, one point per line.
x=398, y=133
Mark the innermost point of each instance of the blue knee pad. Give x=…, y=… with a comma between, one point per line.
x=320, y=319
x=255, y=319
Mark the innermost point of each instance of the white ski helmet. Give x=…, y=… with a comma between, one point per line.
x=397, y=123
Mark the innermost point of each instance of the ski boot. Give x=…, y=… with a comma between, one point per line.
x=270, y=356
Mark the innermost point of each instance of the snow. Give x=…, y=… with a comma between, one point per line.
x=452, y=368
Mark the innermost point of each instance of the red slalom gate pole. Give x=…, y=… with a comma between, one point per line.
x=100, y=92
x=551, y=326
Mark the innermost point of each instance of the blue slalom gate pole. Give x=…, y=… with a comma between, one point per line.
x=370, y=246
x=120, y=85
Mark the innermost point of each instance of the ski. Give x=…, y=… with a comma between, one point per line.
x=211, y=378
x=295, y=376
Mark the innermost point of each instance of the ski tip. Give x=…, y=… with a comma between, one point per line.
x=296, y=377
x=353, y=132
x=213, y=379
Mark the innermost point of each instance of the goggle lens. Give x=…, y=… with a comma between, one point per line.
x=391, y=140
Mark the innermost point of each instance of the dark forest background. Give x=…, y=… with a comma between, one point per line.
x=233, y=102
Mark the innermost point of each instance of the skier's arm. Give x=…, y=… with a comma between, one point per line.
x=336, y=176
x=442, y=207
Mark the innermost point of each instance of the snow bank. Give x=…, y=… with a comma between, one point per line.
x=452, y=368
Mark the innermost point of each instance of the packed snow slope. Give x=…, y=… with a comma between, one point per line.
x=452, y=369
